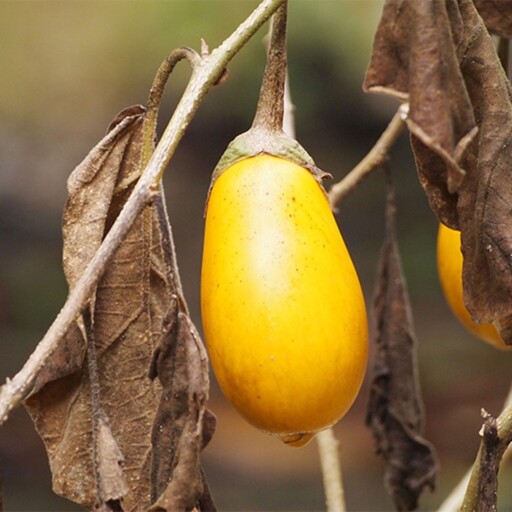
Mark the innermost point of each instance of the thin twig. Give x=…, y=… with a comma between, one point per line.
x=156, y=93
x=204, y=76
x=453, y=501
x=373, y=160
x=331, y=471
x=504, y=423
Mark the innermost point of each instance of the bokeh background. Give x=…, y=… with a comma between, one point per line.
x=66, y=68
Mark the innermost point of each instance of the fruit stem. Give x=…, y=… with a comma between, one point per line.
x=331, y=471
x=270, y=108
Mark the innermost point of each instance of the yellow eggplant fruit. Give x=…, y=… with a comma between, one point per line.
x=449, y=264
x=283, y=313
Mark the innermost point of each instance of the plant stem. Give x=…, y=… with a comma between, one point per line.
x=270, y=109
x=373, y=160
x=504, y=424
x=156, y=93
x=453, y=501
x=331, y=471
x=205, y=75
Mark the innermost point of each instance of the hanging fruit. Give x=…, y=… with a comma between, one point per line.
x=283, y=313
x=449, y=264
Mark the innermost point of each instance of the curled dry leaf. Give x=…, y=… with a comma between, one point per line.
x=439, y=56
x=183, y=425
x=127, y=313
x=96, y=420
x=395, y=410
x=90, y=192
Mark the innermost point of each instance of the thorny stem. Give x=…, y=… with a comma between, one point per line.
x=205, y=74
x=504, y=424
x=270, y=108
x=373, y=160
x=331, y=471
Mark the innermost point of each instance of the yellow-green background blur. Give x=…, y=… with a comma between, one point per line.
x=66, y=68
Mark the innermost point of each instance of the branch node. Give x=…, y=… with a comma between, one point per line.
x=403, y=111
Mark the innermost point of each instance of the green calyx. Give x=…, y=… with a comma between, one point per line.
x=266, y=135
x=259, y=140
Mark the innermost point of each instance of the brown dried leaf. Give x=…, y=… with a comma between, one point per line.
x=90, y=193
x=183, y=426
x=485, y=199
x=127, y=315
x=88, y=211
x=414, y=59
x=109, y=464
x=497, y=16
x=96, y=408
x=438, y=55
x=395, y=410
x=111, y=485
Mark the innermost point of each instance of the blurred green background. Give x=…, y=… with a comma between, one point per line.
x=67, y=68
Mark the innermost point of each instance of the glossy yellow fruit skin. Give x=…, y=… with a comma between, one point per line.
x=283, y=313
x=449, y=264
